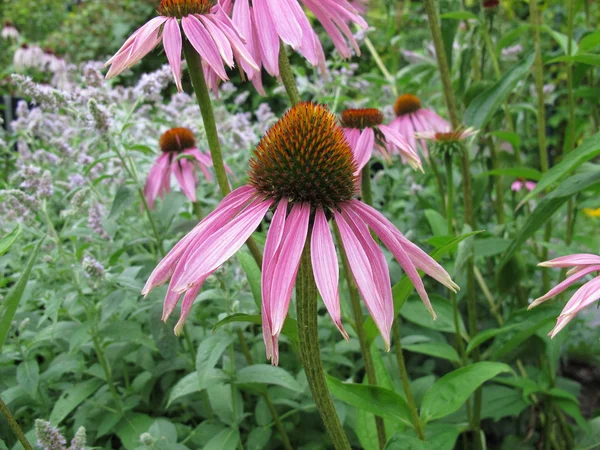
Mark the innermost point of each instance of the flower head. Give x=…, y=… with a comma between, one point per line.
x=9, y=31
x=448, y=142
x=582, y=264
x=179, y=157
x=412, y=118
x=264, y=23
x=304, y=168
x=365, y=131
x=208, y=29
x=520, y=183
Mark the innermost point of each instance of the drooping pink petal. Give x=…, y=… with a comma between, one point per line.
x=204, y=44
x=159, y=170
x=516, y=186
x=578, y=259
x=172, y=44
x=585, y=295
x=387, y=236
x=326, y=269
x=436, y=122
x=283, y=14
x=185, y=175
x=564, y=285
x=204, y=161
x=229, y=207
x=398, y=143
x=362, y=271
x=268, y=39
x=364, y=148
x=219, y=38
x=272, y=243
x=211, y=253
x=288, y=261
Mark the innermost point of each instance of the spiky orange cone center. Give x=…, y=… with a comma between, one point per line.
x=305, y=157
x=406, y=104
x=177, y=140
x=182, y=8
x=362, y=118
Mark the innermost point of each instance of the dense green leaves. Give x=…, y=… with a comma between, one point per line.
x=9, y=239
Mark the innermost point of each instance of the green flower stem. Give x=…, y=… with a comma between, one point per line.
x=571, y=100
x=198, y=210
x=106, y=369
x=538, y=69
x=469, y=215
x=310, y=353
x=386, y=73
x=152, y=224
x=287, y=76
x=419, y=429
x=365, y=185
x=360, y=331
x=14, y=425
x=498, y=182
x=208, y=117
x=438, y=182
x=449, y=194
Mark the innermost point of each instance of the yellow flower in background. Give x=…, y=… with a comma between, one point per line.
x=591, y=212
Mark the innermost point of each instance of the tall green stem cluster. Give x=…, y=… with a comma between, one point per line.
x=444, y=69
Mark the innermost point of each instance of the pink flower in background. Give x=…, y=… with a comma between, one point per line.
x=447, y=135
x=360, y=6
x=208, y=29
x=9, y=31
x=365, y=132
x=174, y=143
x=304, y=168
x=582, y=264
x=412, y=118
x=265, y=23
x=519, y=184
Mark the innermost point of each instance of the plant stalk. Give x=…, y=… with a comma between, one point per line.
x=287, y=76
x=310, y=353
x=449, y=194
x=14, y=425
x=571, y=99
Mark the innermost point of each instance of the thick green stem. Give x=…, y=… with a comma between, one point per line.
x=159, y=242
x=438, y=182
x=538, y=69
x=14, y=425
x=365, y=186
x=436, y=34
x=194, y=64
x=310, y=352
x=406, y=381
x=287, y=76
x=198, y=210
x=449, y=194
x=360, y=331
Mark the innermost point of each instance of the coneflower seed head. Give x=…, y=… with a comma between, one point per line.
x=406, y=104
x=177, y=140
x=362, y=118
x=306, y=158
x=182, y=8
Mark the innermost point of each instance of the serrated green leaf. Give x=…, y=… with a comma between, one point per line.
x=72, y=398
x=483, y=107
x=28, y=376
x=122, y=200
x=451, y=391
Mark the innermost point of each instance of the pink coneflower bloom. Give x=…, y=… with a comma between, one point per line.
x=412, y=118
x=206, y=27
x=303, y=168
x=9, y=31
x=447, y=135
x=266, y=22
x=365, y=131
x=175, y=144
x=581, y=264
x=519, y=184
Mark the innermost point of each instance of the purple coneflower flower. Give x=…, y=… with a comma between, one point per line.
x=208, y=29
x=412, y=118
x=581, y=264
x=519, y=184
x=365, y=131
x=175, y=144
x=266, y=22
x=304, y=168
x=9, y=31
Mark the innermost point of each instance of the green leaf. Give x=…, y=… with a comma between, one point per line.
x=583, y=58
x=459, y=15
x=589, y=149
x=131, y=427
x=72, y=398
x=123, y=199
x=572, y=409
x=486, y=335
x=485, y=248
x=209, y=352
x=501, y=401
x=414, y=311
x=374, y=399
x=9, y=239
x=28, y=376
x=226, y=440
x=258, y=438
x=547, y=207
x=438, y=224
x=8, y=306
x=267, y=374
x=290, y=327
x=561, y=39
x=449, y=29
x=437, y=349
x=512, y=138
x=451, y=391
x=590, y=41
x=253, y=274
x=439, y=436
x=523, y=172
x=483, y=107
x=190, y=384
